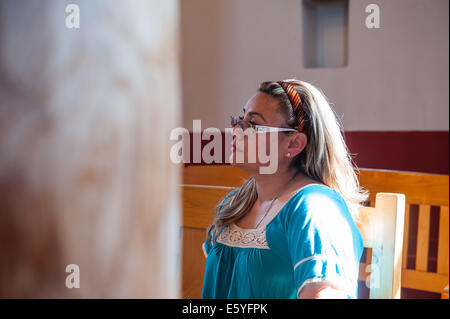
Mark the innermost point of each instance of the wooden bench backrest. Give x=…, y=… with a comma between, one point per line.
x=422, y=193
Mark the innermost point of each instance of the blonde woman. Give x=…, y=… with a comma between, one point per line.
x=290, y=234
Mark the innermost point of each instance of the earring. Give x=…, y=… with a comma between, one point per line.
x=288, y=154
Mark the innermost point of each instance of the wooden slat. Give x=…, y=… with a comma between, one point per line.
x=442, y=259
x=427, y=281
x=423, y=236
x=419, y=188
x=365, y=225
x=406, y=235
x=198, y=204
x=364, y=271
x=214, y=175
x=193, y=263
x=364, y=268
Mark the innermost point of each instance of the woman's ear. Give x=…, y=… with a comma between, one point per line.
x=296, y=144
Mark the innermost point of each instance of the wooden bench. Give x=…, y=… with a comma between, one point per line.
x=204, y=186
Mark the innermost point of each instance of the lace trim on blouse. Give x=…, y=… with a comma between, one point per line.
x=234, y=236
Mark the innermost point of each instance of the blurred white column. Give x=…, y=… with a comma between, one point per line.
x=85, y=173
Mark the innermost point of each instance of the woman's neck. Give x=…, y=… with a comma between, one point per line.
x=269, y=186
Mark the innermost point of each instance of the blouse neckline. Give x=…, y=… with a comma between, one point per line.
x=263, y=227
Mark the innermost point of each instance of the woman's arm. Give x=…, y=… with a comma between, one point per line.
x=322, y=290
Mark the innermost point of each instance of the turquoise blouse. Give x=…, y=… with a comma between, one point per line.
x=313, y=238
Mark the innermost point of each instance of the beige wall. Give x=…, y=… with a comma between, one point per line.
x=396, y=77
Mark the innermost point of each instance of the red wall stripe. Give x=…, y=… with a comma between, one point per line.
x=417, y=151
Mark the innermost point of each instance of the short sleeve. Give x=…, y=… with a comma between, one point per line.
x=323, y=242
x=206, y=246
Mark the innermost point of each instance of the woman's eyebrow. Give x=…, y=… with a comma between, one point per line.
x=256, y=113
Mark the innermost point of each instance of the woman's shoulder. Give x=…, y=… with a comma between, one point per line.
x=316, y=201
x=311, y=192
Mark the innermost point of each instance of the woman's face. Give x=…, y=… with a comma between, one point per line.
x=261, y=109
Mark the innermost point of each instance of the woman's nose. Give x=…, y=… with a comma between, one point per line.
x=238, y=133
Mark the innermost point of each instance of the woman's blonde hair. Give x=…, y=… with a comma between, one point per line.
x=325, y=158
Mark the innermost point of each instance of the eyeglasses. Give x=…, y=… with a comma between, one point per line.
x=239, y=121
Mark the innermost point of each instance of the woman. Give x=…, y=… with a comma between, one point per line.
x=290, y=234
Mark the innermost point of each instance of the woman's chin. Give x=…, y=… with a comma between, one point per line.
x=248, y=167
